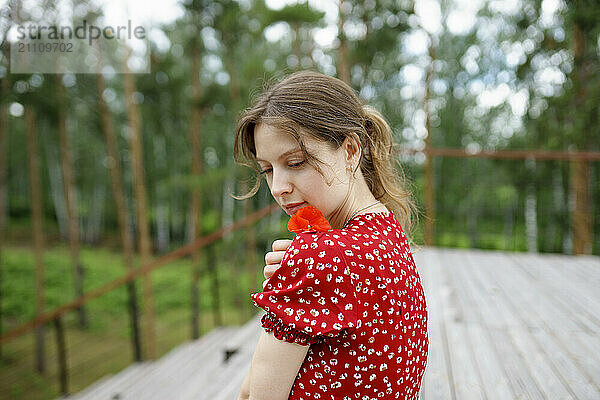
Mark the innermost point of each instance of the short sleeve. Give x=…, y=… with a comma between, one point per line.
x=311, y=297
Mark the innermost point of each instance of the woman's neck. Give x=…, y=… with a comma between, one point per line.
x=359, y=201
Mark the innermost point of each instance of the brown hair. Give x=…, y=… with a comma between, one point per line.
x=329, y=110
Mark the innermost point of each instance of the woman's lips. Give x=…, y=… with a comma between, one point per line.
x=293, y=209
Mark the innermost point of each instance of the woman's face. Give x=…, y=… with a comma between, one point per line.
x=293, y=182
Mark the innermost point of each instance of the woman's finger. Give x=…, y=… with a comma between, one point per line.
x=269, y=270
x=281, y=244
x=274, y=257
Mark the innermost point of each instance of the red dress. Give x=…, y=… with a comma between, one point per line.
x=355, y=296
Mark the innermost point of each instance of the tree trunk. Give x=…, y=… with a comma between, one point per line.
x=3, y=182
x=473, y=213
x=96, y=215
x=137, y=163
x=56, y=192
x=429, y=176
x=38, y=234
x=531, y=219
x=567, y=236
x=161, y=221
x=228, y=205
x=555, y=230
x=195, y=137
x=531, y=231
x=296, y=45
x=582, y=215
x=114, y=166
x=342, y=61
x=177, y=213
x=509, y=219
x=580, y=172
x=161, y=198
x=70, y=197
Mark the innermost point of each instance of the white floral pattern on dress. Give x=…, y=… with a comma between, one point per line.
x=355, y=296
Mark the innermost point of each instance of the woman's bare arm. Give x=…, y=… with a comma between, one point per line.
x=278, y=361
x=245, y=390
x=275, y=365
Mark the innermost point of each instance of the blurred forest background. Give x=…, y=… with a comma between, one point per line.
x=476, y=76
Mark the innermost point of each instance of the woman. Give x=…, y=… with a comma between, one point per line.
x=346, y=314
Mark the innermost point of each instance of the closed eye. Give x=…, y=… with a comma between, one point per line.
x=296, y=165
x=292, y=165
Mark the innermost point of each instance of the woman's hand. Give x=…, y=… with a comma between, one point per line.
x=273, y=258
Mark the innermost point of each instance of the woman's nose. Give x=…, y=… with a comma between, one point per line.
x=280, y=184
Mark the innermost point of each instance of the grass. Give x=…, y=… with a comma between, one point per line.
x=489, y=237
x=105, y=346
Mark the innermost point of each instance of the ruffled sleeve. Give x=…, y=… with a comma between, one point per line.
x=311, y=297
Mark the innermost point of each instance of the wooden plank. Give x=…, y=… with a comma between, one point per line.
x=536, y=307
x=467, y=381
x=523, y=344
x=537, y=304
x=176, y=378
x=437, y=378
x=523, y=385
x=228, y=377
x=584, y=298
x=577, y=303
x=550, y=338
x=588, y=363
x=534, y=358
x=539, y=364
x=169, y=378
x=493, y=317
x=487, y=358
x=113, y=386
x=230, y=381
x=580, y=384
x=496, y=385
x=553, y=308
x=581, y=350
x=586, y=268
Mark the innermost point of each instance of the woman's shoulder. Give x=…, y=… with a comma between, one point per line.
x=374, y=225
x=313, y=261
x=362, y=232
x=319, y=244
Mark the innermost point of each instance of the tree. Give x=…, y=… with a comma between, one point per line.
x=70, y=195
x=143, y=230
x=38, y=233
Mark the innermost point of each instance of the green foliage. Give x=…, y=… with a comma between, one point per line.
x=235, y=60
x=294, y=14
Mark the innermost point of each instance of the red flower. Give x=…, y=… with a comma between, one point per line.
x=308, y=219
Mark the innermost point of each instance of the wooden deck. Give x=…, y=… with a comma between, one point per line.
x=501, y=326
x=511, y=325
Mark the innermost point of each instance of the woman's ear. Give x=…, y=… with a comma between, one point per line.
x=352, y=150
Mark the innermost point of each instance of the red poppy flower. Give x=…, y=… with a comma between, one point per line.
x=308, y=219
